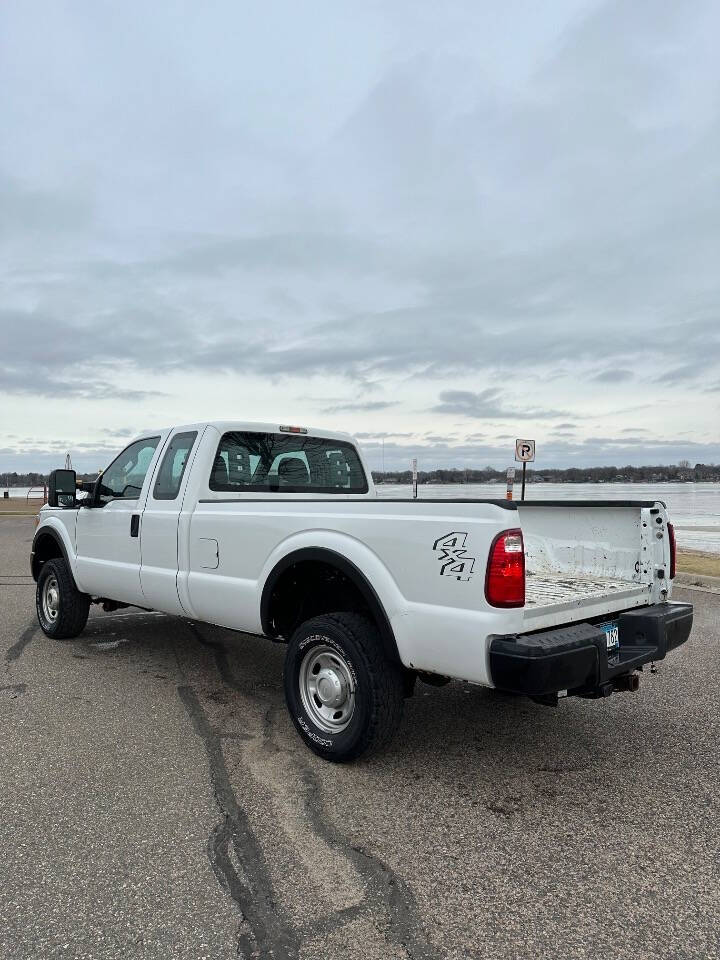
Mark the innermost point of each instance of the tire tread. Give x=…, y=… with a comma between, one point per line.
x=74, y=605
x=386, y=679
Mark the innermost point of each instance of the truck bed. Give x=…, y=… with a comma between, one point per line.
x=551, y=598
x=550, y=590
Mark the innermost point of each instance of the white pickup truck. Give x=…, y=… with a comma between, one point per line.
x=277, y=530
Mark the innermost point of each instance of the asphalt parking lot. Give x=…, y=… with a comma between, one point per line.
x=157, y=803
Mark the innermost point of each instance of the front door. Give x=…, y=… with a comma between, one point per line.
x=108, y=537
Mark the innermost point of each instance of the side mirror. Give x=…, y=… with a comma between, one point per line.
x=61, y=488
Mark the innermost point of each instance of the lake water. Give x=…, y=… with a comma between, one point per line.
x=694, y=507
x=21, y=491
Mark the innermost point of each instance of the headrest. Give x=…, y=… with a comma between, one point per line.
x=220, y=473
x=293, y=471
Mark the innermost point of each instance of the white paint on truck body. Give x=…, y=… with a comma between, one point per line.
x=208, y=555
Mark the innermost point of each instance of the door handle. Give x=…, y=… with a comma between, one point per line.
x=135, y=525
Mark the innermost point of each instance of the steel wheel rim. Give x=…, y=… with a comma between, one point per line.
x=327, y=689
x=51, y=599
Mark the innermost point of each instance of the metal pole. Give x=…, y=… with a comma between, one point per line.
x=414, y=478
x=523, y=484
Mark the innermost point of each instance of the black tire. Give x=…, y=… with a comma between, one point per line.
x=73, y=607
x=378, y=685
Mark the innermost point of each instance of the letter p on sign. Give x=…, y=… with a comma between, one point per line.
x=525, y=451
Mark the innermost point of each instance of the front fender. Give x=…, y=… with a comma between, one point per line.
x=57, y=530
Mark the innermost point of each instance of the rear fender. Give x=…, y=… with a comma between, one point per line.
x=356, y=561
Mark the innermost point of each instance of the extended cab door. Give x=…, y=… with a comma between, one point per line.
x=108, y=537
x=159, y=538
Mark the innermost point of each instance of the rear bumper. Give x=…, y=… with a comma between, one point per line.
x=575, y=658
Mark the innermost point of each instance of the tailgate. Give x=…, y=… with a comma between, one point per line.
x=586, y=559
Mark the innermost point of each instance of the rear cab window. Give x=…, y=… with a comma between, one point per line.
x=251, y=462
x=172, y=468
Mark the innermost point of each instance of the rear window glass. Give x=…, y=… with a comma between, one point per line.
x=286, y=463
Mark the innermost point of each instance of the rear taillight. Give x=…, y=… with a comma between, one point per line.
x=673, y=550
x=505, y=578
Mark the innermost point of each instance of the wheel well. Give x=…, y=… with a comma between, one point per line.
x=45, y=548
x=315, y=582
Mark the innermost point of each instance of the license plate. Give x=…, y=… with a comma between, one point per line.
x=612, y=634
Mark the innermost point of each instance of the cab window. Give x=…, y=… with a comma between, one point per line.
x=277, y=462
x=172, y=468
x=125, y=476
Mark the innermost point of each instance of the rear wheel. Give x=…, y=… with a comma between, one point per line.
x=343, y=695
x=62, y=611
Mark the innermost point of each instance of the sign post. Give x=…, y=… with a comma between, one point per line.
x=524, y=453
x=510, y=482
x=414, y=477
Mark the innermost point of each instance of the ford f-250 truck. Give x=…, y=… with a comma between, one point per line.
x=277, y=531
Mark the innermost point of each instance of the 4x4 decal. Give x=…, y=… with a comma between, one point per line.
x=453, y=557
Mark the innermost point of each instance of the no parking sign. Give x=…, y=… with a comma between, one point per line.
x=525, y=451
x=525, y=454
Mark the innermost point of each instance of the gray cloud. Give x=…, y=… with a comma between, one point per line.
x=487, y=404
x=614, y=375
x=121, y=432
x=362, y=406
x=381, y=435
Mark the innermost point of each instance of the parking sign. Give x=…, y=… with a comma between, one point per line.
x=525, y=451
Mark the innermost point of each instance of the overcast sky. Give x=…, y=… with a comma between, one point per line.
x=441, y=225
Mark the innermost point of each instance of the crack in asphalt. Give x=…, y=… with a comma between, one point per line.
x=267, y=933
x=220, y=654
x=17, y=688
x=18, y=648
x=264, y=931
x=384, y=889
x=223, y=664
x=385, y=892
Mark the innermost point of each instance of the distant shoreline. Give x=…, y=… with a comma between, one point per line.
x=534, y=482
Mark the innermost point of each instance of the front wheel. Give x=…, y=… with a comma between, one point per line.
x=62, y=611
x=343, y=695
